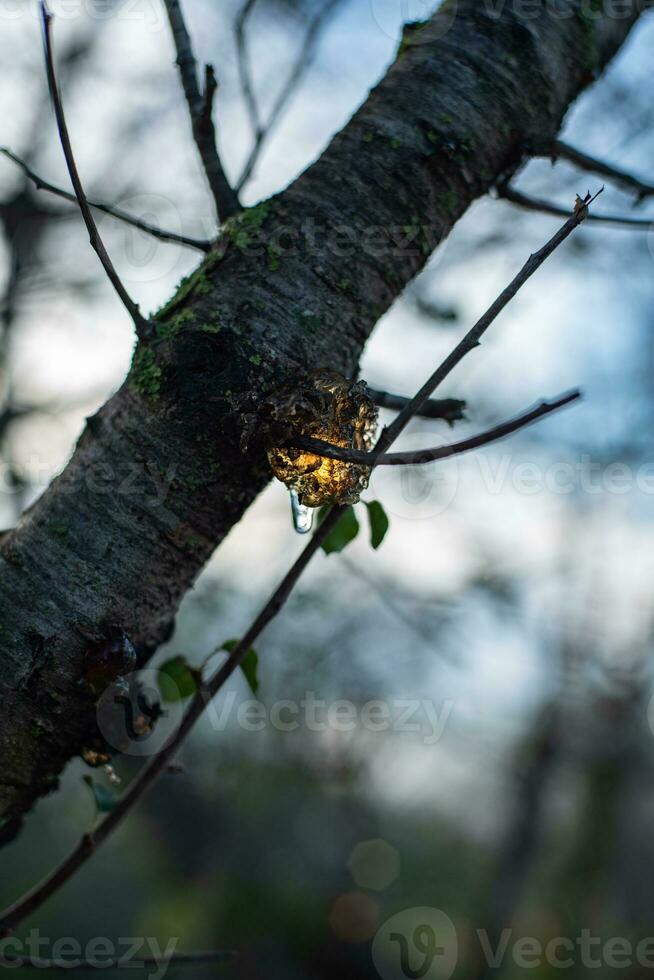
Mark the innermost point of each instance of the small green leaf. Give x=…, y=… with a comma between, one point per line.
x=105, y=800
x=250, y=667
x=345, y=531
x=177, y=681
x=249, y=664
x=378, y=521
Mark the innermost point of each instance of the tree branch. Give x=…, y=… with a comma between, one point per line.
x=263, y=130
x=141, y=324
x=321, y=448
x=473, y=337
x=159, y=475
x=560, y=150
x=508, y=193
x=245, y=74
x=200, y=107
x=208, y=689
x=449, y=409
x=202, y=245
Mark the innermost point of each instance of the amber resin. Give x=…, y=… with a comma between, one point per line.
x=329, y=407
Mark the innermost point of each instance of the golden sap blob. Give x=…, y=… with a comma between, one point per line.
x=337, y=410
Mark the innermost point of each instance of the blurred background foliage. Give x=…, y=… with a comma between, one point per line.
x=525, y=614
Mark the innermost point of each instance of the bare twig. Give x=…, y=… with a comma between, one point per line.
x=245, y=74
x=429, y=455
x=118, y=213
x=509, y=193
x=200, y=107
x=208, y=688
x=142, y=325
x=561, y=150
x=449, y=409
x=473, y=338
x=263, y=130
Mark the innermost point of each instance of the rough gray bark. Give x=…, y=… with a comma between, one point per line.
x=159, y=476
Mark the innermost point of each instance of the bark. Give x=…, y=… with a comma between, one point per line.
x=160, y=475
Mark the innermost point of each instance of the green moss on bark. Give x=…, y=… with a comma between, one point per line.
x=146, y=374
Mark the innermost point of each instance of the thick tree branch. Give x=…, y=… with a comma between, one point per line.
x=141, y=324
x=159, y=476
x=200, y=105
x=202, y=245
x=508, y=193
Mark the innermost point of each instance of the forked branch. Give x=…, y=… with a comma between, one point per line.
x=200, y=106
x=473, y=338
x=561, y=150
x=509, y=193
x=209, y=687
x=429, y=455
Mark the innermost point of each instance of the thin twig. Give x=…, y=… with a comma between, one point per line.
x=200, y=107
x=203, y=245
x=244, y=72
x=473, y=338
x=448, y=409
x=142, y=325
x=72, y=966
x=564, y=151
x=208, y=688
x=508, y=193
x=263, y=130
x=429, y=455
x=90, y=842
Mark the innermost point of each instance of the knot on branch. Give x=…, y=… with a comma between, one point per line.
x=324, y=406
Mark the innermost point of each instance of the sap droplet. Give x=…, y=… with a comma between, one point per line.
x=302, y=515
